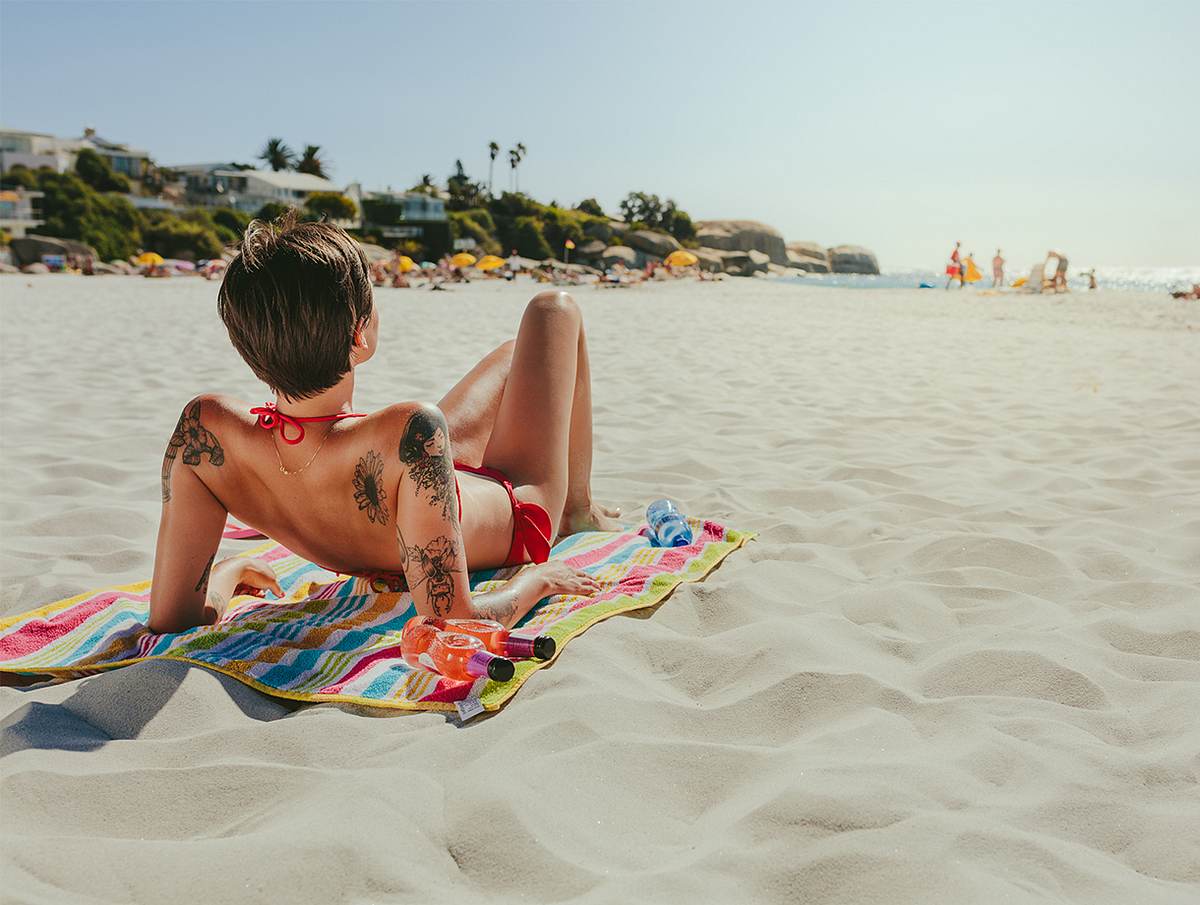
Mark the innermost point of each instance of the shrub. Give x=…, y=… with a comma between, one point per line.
x=464, y=225
x=231, y=219
x=333, y=205
x=590, y=206
x=528, y=238
x=95, y=171
x=175, y=237
x=20, y=175
x=272, y=210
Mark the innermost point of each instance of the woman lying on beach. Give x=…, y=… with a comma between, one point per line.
x=415, y=492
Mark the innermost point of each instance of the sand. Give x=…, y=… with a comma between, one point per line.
x=960, y=664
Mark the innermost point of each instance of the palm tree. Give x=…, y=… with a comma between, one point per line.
x=513, y=159
x=311, y=162
x=493, y=150
x=278, y=155
x=520, y=157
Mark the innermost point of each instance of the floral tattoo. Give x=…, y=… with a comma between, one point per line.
x=195, y=440
x=425, y=451
x=369, y=491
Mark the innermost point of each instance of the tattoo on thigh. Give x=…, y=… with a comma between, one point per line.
x=195, y=440
x=202, y=584
x=369, y=492
x=425, y=451
x=436, y=561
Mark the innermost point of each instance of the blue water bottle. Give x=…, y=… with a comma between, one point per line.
x=668, y=527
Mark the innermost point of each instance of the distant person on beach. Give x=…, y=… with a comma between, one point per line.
x=954, y=268
x=413, y=495
x=997, y=270
x=514, y=264
x=1091, y=278
x=1060, y=271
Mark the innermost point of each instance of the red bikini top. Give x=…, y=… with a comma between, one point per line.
x=270, y=418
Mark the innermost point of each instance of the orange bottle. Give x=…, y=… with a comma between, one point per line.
x=495, y=637
x=464, y=657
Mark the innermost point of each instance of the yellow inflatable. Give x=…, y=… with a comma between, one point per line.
x=973, y=274
x=1020, y=281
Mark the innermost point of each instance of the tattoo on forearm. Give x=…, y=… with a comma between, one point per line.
x=369, y=491
x=195, y=440
x=501, y=611
x=202, y=584
x=425, y=452
x=436, y=561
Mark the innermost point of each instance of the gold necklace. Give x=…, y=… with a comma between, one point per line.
x=282, y=469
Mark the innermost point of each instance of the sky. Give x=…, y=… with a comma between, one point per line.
x=899, y=126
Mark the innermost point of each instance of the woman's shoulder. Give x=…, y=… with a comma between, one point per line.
x=399, y=415
x=216, y=409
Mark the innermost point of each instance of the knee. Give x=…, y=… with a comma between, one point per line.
x=553, y=303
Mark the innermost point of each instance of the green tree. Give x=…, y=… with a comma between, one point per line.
x=464, y=194
x=95, y=171
x=72, y=209
x=590, y=206
x=311, y=162
x=278, y=155
x=642, y=208
x=333, y=205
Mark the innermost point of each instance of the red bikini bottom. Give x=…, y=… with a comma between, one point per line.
x=531, y=522
x=531, y=531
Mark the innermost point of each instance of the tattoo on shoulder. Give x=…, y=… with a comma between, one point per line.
x=195, y=440
x=425, y=452
x=202, y=584
x=369, y=491
x=436, y=564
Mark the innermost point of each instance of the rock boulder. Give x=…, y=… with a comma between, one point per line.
x=710, y=259
x=619, y=254
x=809, y=256
x=852, y=259
x=742, y=235
x=653, y=243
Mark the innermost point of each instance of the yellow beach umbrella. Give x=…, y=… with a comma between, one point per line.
x=681, y=258
x=462, y=259
x=148, y=258
x=490, y=262
x=405, y=263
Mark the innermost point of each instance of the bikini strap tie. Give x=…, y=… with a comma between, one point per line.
x=269, y=418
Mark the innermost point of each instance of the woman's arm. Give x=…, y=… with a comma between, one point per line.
x=191, y=524
x=430, y=537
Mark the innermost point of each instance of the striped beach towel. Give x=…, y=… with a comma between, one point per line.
x=334, y=638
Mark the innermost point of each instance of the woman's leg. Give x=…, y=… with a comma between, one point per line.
x=542, y=435
x=471, y=405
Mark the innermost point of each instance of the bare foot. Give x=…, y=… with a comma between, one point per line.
x=592, y=517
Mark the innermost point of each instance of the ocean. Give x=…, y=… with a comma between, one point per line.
x=1153, y=279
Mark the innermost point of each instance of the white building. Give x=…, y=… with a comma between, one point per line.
x=39, y=149
x=17, y=214
x=224, y=185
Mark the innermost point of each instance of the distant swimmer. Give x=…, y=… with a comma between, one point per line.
x=954, y=270
x=997, y=270
x=1091, y=278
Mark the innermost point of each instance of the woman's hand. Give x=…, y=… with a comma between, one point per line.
x=238, y=573
x=559, y=578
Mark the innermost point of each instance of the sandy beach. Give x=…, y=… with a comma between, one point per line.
x=961, y=662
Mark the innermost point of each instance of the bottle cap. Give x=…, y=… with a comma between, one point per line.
x=544, y=647
x=500, y=669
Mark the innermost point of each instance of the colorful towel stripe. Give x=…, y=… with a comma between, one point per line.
x=334, y=638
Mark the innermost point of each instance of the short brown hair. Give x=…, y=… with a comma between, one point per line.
x=291, y=301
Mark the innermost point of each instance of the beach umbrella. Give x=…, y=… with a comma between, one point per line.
x=148, y=258
x=462, y=259
x=490, y=262
x=405, y=263
x=681, y=258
